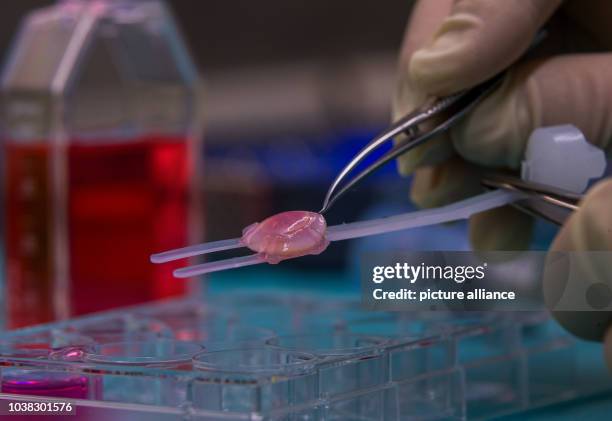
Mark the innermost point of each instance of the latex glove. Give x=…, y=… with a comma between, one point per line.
x=453, y=45
x=588, y=228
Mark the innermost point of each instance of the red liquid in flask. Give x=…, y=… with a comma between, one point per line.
x=126, y=200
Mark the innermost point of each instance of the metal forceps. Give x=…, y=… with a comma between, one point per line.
x=456, y=106
x=550, y=203
x=453, y=107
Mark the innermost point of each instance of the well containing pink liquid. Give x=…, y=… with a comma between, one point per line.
x=45, y=383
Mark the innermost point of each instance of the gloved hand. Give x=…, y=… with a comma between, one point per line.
x=451, y=45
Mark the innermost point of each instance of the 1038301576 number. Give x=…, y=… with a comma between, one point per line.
x=24, y=407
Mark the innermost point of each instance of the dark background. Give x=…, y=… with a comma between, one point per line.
x=223, y=34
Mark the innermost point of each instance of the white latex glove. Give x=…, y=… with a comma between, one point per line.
x=453, y=45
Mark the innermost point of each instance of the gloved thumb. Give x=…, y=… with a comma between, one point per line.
x=454, y=44
x=588, y=236
x=568, y=89
x=478, y=39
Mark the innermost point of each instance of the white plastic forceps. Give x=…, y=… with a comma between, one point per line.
x=534, y=193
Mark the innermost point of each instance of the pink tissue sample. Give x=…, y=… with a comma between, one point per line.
x=287, y=235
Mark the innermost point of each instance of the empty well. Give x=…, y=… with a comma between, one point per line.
x=154, y=353
x=253, y=379
x=348, y=361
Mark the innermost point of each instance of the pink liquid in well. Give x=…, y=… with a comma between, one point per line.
x=60, y=385
x=287, y=235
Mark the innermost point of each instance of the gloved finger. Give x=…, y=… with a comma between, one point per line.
x=425, y=18
x=476, y=25
x=433, y=152
x=477, y=40
x=445, y=183
x=571, y=89
x=589, y=228
x=503, y=228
